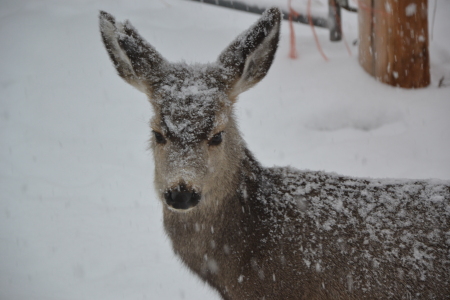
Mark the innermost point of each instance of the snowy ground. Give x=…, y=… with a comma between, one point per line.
x=78, y=215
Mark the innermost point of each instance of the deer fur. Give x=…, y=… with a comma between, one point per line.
x=274, y=233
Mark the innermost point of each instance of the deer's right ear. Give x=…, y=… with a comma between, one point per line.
x=135, y=60
x=250, y=56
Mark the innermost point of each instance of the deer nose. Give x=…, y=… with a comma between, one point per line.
x=181, y=197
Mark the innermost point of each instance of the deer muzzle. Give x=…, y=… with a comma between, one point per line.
x=182, y=197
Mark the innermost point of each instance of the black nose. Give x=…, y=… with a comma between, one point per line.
x=181, y=197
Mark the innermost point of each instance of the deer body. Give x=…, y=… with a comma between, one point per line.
x=290, y=234
x=275, y=233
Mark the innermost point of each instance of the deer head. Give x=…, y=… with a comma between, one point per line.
x=196, y=144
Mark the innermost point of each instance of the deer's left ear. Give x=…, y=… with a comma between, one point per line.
x=250, y=56
x=135, y=60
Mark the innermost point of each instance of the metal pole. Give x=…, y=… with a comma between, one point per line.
x=334, y=18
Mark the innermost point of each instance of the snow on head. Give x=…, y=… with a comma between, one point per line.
x=188, y=98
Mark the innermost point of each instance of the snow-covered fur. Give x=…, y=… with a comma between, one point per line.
x=275, y=233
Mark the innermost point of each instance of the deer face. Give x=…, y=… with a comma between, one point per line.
x=193, y=137
x=196, y=144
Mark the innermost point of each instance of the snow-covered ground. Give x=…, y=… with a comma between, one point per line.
x=78, y=215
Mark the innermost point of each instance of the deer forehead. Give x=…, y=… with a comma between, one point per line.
x=191, y=102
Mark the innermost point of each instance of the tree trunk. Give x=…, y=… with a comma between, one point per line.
x=393, y=37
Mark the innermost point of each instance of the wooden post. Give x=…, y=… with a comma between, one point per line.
x=393, y=37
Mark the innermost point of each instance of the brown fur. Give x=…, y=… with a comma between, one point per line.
x=276, y=233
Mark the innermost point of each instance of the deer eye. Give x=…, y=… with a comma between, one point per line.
x=159, y=138
x=216, y=139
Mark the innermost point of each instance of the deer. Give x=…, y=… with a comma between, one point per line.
x=253, y=232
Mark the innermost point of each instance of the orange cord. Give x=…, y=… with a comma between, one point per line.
x=293, y=51
x=316, y=38
x=292, y=13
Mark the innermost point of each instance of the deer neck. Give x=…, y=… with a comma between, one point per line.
x=208, y=238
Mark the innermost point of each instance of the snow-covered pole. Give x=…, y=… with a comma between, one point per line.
x=316, y=21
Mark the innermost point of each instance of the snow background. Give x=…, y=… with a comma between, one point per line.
x=78, y=215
